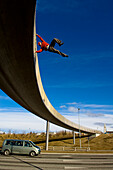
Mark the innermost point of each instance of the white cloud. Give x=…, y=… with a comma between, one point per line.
x=89, y=109
x=21, y=121
x=102, y=124
x=90, y=105
x=5, y=98
x=97, y=106
x=12, y=109
x=72, y=109
x=93, y=122
x=24, y=122
x=91, y=115
x=63, y=106
x=73, y=103
x=94, y=114
x=3, y=109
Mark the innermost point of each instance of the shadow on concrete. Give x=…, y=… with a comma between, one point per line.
x=27, y=163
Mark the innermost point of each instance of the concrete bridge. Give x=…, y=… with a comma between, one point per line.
x=19, y=70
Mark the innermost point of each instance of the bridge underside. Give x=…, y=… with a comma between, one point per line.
x=19, y=70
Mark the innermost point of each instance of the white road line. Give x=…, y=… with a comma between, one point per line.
x=66, y=167
x=72, y=160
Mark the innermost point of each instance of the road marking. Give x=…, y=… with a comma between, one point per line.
x=71, y=160
x=66, y=167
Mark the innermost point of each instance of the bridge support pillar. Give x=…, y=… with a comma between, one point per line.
x=74, y=137
x=47, y=135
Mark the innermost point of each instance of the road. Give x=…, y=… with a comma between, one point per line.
x=57, y=162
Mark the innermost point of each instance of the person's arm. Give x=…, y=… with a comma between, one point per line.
x=40, y=37
x=39, y=51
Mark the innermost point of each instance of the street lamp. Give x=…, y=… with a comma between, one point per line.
x=79, y=127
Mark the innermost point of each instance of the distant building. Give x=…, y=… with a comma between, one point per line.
x=1, y=132
x=109, y=132
x=52, y=133
x=105, y=128
x=38, y=134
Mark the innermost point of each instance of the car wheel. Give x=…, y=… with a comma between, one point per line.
x=32, y=153
x=6, y=152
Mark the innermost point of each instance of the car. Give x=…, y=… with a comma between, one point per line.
x=12, y=146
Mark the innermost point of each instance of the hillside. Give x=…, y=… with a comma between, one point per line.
x=102, y=142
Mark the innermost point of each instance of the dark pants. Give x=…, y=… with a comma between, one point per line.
x=52, y=49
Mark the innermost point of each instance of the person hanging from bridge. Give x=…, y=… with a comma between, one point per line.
x=50, y=47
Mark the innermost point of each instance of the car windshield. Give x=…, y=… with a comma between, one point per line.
x=32, y=143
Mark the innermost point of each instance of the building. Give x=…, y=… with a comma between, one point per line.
x=109, y=132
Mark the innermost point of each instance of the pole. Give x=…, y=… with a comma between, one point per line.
x=88, y=141
x=73, y=137
x=79, y=127
x=47, y=135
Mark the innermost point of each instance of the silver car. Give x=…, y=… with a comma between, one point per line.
x=12, y=146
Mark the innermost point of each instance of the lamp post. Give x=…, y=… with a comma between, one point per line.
x=73, y=137
x=79, y=127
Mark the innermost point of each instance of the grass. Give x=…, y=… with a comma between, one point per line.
x=102, y=142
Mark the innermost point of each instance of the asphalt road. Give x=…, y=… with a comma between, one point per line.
x=57, y=162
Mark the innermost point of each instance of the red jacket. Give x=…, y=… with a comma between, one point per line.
x=43, y=46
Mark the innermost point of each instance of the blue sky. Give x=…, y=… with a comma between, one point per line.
x=85, y=78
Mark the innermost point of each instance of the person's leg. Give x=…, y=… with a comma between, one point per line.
x=63, y=55
x=55, y=40
x=52, y=49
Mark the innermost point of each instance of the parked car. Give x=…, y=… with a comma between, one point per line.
x=12, y=146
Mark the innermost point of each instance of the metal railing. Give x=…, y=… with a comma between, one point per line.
x=65, y=148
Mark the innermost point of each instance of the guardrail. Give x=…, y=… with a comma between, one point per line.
x=65, y=148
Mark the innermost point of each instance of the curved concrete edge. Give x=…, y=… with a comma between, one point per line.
x=47, y=103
